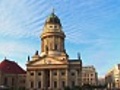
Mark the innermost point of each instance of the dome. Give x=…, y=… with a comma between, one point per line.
x=53, y=19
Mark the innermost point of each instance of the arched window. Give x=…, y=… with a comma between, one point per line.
x=56, y=47
x=46, y=48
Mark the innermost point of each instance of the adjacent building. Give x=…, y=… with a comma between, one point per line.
x=112, y=78
x=89, y=75
x=101, y=81
x=12, y=75
x=51, y=69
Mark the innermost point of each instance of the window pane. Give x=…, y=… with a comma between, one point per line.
x=55, y=84
x=39, y=84
x=32, y=84
x=62, y=73
x=31, y=74
x=63, y=83
x=39, y=73
x=12, y=81
x=5, y=81
x=72, y=74
x=73, y=83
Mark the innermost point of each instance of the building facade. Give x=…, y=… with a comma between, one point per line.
x=89, y=75
x=51, y=69
x=101, y=81
x=12, y=75
x=112, y=78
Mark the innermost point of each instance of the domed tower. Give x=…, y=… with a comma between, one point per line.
x=52, y=38
x=52, y=69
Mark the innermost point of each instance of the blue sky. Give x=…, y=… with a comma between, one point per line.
x=92, y=27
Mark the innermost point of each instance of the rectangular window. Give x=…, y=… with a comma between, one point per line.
x=55, y=84
x=39, y=84
x=31, y=74
x=55, y=26
x=73, y=83
x=88, y=79
x=63, y=83
x=91, y=79
x=12, y=81
x=39, y=74
x=22, y=81
x=54, y=72
x=84, y=79
x=72, y=74
x=78, y=71
x=51, y=26
x=63, y=73
x=47, y=77
x=91, y=75
x=5, y=81
x=32, y=84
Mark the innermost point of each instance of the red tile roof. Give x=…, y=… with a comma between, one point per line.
x=11, y=67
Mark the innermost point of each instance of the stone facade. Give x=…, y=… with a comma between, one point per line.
x=89, y=75
x=52, y=69
x=101, y=81
x=112, y=78
x=12, y=75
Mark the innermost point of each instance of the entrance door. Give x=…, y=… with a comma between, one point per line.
x=47, y=78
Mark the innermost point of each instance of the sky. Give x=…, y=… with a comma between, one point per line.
x=92, y=28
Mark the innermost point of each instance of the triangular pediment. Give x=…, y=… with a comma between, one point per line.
x=48, y=60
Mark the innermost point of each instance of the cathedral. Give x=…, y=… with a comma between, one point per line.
x=51, y=69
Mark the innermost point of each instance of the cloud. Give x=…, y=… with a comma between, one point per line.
x=15, y=49
x=24, y=19
x=18, y=19
x=102, y=54
x=87, y=24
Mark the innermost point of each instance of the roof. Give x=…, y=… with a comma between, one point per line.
x=74, y=60
x=53, y=19
x=11, y=67
x=88, y=68
x=119, y=66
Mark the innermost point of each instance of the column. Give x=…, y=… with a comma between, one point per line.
x=27, y=82
x=76, y=79
x=51, y=80
x=35, y=80
x=42, y=79
x=80, y=76
x=53, y=42
x=67, y=77
x=58, y=79
x=42, y=45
